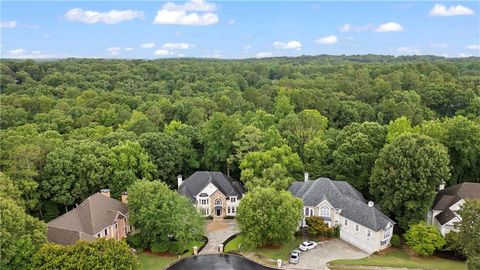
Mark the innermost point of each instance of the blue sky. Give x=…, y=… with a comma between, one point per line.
x=197, y=28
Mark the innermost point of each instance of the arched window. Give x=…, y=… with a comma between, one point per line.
x=218, y=202
x=324, y=211
x=308, y=212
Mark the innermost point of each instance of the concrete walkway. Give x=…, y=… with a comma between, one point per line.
x=218, y=230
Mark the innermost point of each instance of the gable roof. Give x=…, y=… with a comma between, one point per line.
x=445, y=216
x=451, y=195
x=341, y=195
x=89, y=218
x=196, y=182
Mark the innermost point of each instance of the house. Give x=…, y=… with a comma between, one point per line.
x=97, y=216
x=213, y=193
x=339, y=204
x=444, y=212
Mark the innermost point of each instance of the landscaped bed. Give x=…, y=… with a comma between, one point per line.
x=400, y=258
x=266, y=254
x=158, y=261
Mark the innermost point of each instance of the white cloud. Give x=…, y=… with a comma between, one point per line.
x=293, y=44
x=473, y=47
x=16, y=52
x=110, y=17
x=194, y=12
x=147, y=45
x=161, y=52
x=181, y=55
x=355, y=28
x=263, y=54
x=328, y=40
x=389, y=27
x=24, y=54
x=8, y=24
x=231, y=21
x=464, y=55
x=129, y=49
x=438, y=45
x=114, y=50
x=412, y=50
x=443, y=11
x=177, y=46
x=247, y=47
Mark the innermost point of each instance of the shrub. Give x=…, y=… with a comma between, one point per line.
x=135, y=241
x=316, y=227
x=424, y=239
x=160, y=247
x=396, y=241
x=176, y=248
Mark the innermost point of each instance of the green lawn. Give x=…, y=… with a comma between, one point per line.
x=282, y=252
x=400, y=258
x=150, y=261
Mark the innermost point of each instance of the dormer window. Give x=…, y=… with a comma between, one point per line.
x=233, y=199
x=324, y=211
x=308, y=212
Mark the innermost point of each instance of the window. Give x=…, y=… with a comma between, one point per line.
x=308, y=211
x=383, y=242
x=233, y=199
x=345, y=221
x=116, y=226
x=205, y=211
x=387, y=233
x=98, y=235
x=204, y=201
x=369, y=233
x=228, y=210
x=324, y=211
x=218, y=202
x=106, y=233
x=234, y=209
x=357, y=227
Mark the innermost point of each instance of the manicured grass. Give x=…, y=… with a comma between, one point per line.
x=401, y=258
x=151, y=261
x=282, y=252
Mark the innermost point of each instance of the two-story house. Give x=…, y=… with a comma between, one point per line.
x=97, y=216
x=447, y=203
x=339, y=204
x=213, y=193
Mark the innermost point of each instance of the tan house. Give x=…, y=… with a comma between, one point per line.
x=213, y=193
x=97, y=216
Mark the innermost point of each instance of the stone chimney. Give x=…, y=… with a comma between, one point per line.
x=441, y=186
x=105, y=192
x=124, y=197
x=305, y=177
x=370, y=204
x=179, y=180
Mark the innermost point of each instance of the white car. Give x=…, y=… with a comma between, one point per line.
x=295, y=257
x=307, y=245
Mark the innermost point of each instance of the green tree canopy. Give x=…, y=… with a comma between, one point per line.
x=424, y=239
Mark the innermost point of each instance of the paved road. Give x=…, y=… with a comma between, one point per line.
x=334, y=249
x=218, y=230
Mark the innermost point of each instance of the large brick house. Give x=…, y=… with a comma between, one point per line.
x=97, y=216
x=339, y=204
x=444, y=212
x=213, y=193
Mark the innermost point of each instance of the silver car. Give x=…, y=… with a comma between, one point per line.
x=295, y=256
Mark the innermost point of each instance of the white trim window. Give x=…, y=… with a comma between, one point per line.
x=357, y=227
x=233, y=199
x=218, y=202
x=308, y=212
x=324, y=211
x=369, y=233
x=387, y=233
x=204, y=201
x=345, y=222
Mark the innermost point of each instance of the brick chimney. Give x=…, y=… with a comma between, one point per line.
x=105, y=192
x=124, y=197
x=179, y=180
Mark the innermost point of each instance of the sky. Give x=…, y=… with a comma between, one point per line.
x=237, y=29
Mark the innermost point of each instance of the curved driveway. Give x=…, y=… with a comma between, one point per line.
x=218, y=230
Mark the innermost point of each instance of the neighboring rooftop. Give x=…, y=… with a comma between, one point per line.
x=341, y=195
x=451, y=195
x=196, y=182
x=85, y=221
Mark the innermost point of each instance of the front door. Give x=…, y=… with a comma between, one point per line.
x=218, y=212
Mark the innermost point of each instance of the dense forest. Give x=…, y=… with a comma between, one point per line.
x=71, y=127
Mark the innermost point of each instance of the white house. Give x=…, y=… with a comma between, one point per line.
x=339, y=204
x=213, y=193
x=447, y=203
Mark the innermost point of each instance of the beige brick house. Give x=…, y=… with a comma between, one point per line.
x=97, y=216
x=213, y=193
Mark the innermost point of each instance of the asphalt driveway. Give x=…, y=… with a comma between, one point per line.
x=218, y=230
x=327, y=251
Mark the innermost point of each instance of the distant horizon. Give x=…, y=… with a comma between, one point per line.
x=237, y=29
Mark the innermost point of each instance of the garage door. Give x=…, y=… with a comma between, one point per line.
x=360, y=243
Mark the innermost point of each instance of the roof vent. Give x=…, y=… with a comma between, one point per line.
x=370, y=204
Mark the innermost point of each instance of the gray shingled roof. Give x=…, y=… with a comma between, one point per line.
x=196, y=182
x=450, y=196
x=341, y=195
x=83, y=222
x=445, y=216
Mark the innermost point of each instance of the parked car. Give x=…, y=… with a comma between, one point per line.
x=307, y=245
x=295, y=256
